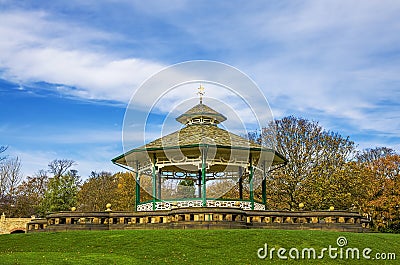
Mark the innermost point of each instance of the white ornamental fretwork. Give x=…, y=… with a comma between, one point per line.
x=259, y=206
x=169, y=205
x=145, y=207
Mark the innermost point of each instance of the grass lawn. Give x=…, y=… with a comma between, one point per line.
x=186, y=247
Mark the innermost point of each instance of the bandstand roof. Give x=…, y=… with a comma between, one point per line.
x=201, y=134
x=200, y=110
x=201, y=130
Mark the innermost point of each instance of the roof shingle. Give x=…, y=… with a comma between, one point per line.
x=201, y=134
x=201, y=110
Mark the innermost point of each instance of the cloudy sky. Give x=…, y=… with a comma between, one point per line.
x=69, y=68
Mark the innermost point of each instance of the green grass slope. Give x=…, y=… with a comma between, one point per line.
x=187, y=247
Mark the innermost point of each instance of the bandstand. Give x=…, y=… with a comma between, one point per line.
x=201, y=154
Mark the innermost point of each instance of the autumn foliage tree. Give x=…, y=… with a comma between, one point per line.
x=97, y=191
x=316, y=160
x=30, y=194
x=126, y=189
x=384, y=203
x=103, y=188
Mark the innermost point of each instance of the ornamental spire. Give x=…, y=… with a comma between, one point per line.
x=201, y=93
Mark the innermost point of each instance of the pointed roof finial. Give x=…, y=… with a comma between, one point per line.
x=201, y=93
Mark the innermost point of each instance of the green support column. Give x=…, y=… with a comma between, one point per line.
x=251, y=184
x=264, y=186
x=199, y=180
x=240, y=183
x=203, y=183
x=159, y=184
x=154, y=177
x=137, y=189
x=203, y=178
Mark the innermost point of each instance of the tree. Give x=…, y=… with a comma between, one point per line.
x=2, y=150
x=61, y=193
x=59, y=167
x=62, y=188
x=104, y=187
x=384, y=194
x=186, y=189
x=30, y=194
x=313, y=154
x=346, y=189
x=370, y=156
x=125, y=195
x=10, y=177
x=97, y=191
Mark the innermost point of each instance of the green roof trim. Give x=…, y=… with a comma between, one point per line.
x=139, y=150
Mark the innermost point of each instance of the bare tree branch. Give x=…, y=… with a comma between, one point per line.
x=10, y=177
x=3, y=149
x=59, y=167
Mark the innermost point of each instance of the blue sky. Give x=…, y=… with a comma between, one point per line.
x=69, y=68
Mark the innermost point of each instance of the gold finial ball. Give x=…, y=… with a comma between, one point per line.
x=301, y=205
x=73, y=209
x=331, y=208
x=108, y=205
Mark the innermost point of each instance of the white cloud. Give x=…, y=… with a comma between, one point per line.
x=330, y=57
x=63, y=53
x=32, y=161
x=337, y=59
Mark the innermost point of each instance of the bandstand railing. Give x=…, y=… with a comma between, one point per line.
x=163, y=205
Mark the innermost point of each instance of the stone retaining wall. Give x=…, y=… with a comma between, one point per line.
x=201, y=218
